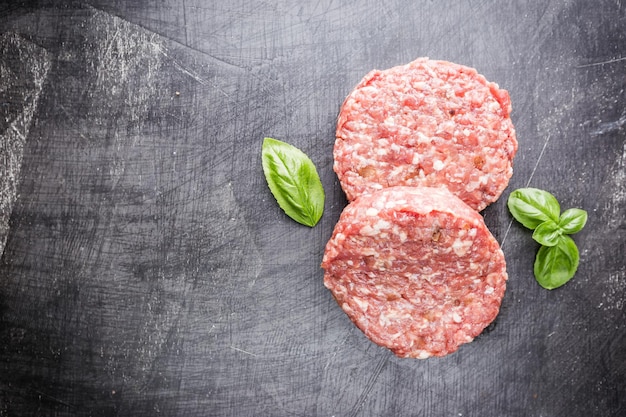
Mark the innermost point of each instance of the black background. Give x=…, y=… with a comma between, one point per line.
x=146, y=269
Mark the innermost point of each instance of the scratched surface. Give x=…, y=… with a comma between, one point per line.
x=148, y=271
x=23, y=71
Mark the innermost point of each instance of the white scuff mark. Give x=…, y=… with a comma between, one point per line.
x=618, y=195
x=614, y=298
x=19, y=134
x=34, y=65
x=543, y=149
x=609, y=127
x=126, y=63
x=243, y=351
x=608, y=61
x=191, y=73
x=532, y=174
x=338, y=347
x=126, y=60
x=185, y=70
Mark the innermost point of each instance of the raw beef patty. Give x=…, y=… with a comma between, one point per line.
x=427, y=123
x=416, y=269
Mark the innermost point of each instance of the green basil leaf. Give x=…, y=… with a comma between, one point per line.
x=555, y=265
x=293, y=180
x=572, y=220
x=547, y=233
x=531, y=207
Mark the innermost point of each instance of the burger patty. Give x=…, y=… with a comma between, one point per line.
x=428, y=123
x=416, y=269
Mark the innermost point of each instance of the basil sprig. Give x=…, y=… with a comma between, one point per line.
x=293, y=180
x=557, y=259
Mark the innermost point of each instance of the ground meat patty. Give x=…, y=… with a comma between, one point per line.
x=427, y=123
x=416, y=269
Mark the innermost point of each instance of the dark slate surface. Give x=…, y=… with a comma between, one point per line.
x=23, y=69
x=148, y=271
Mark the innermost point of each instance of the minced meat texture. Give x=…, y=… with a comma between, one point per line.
x=416, y=269
x=428, y=123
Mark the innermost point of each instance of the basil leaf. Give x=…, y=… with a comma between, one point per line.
x=555, y=265
x=547, y=233
x=293, y=180
x=531, y=207
x=572, y=220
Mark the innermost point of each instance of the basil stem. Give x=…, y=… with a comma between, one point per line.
x=293, y=181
